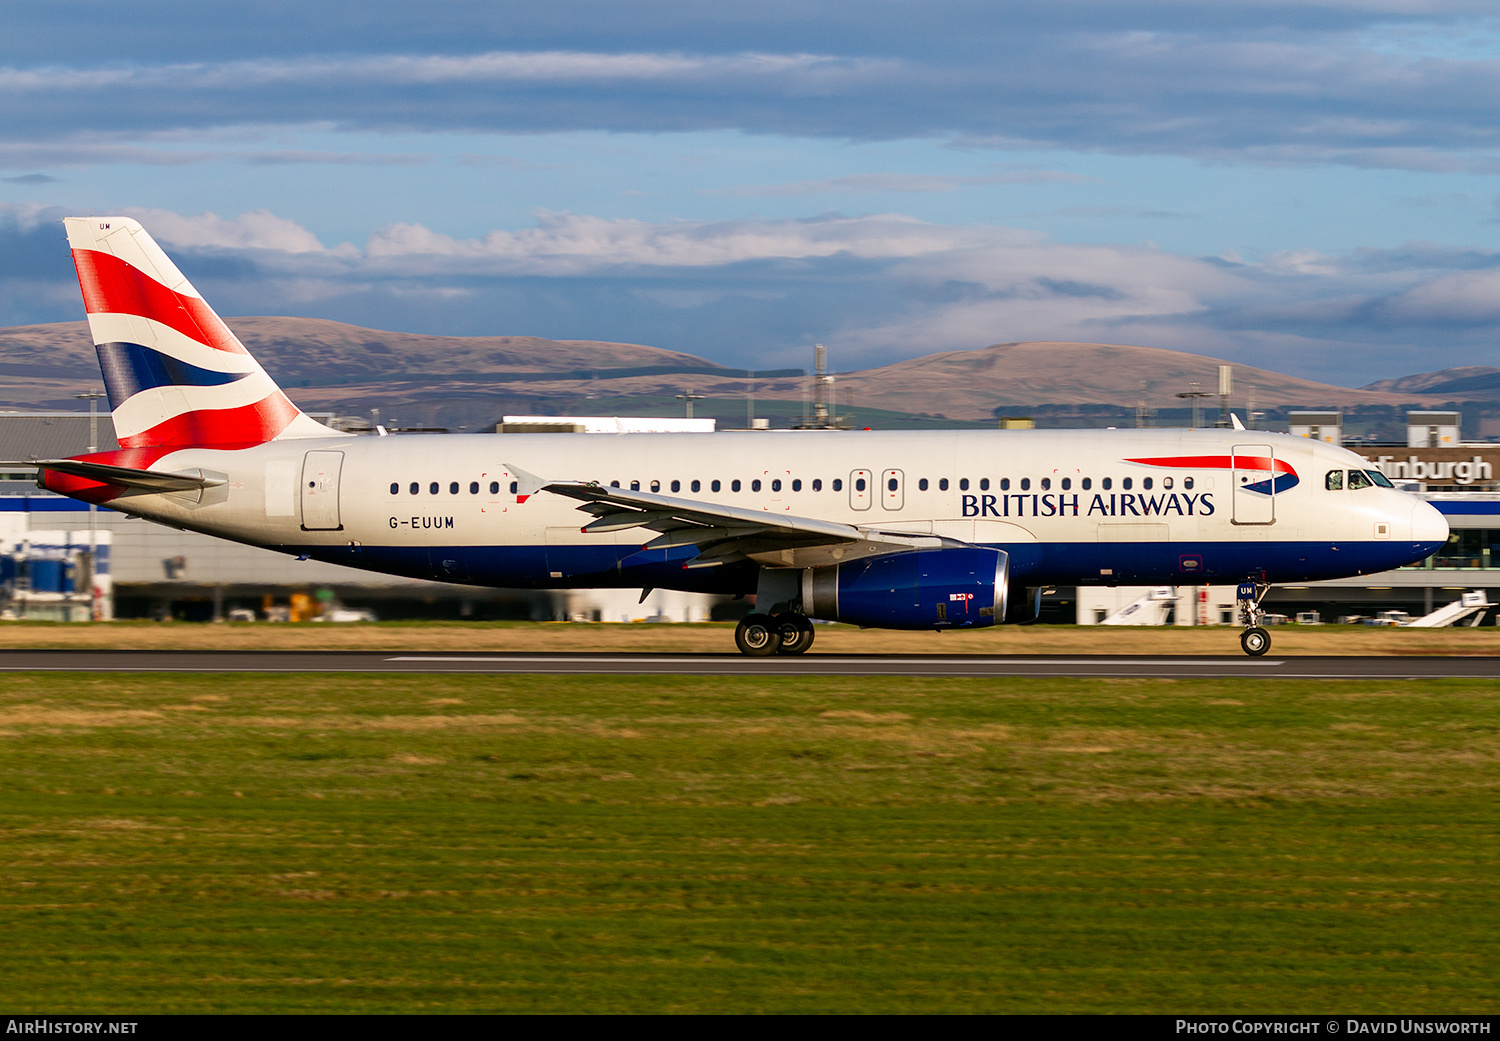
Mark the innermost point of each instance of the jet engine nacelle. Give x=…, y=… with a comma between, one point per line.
x=960, y=588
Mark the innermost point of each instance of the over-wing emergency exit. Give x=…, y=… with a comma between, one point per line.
x=927, y=530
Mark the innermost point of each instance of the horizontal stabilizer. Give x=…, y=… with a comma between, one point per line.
x=140, y=480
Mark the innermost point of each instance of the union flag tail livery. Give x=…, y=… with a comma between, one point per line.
x=176, y=376
x=933, y=529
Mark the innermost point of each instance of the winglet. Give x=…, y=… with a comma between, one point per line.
x=527, y=484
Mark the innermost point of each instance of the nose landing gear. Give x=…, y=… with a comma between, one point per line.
x=1254, y=641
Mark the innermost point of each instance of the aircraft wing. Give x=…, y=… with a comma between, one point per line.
x=725, y=534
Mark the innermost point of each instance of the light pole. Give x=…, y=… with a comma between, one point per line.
x=688, y=397
x=1197, y=395
x=92, y=397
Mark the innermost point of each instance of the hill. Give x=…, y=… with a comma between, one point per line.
x=470, y=381
x=1467, y=382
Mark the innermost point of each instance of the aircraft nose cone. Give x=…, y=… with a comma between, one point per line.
x=1428, y=526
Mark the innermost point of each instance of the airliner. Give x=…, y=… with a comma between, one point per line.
x=957, y=529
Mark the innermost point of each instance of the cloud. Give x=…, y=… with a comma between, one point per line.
x=876, y=289
x=1238, y=81
x=31, y=178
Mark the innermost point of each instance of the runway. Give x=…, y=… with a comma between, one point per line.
x=1082, y=666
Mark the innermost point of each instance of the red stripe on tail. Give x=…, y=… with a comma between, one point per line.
x=245, y=425
x=111, y=286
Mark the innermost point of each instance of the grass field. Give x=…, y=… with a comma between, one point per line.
x=461, y=843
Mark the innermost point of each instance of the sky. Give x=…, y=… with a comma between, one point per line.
x=1309, y=187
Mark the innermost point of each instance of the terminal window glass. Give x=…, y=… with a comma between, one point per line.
x=1334, y=481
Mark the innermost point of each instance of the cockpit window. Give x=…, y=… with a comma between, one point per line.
x=1357, y=479
x=1380, y=478
x=1334, y=481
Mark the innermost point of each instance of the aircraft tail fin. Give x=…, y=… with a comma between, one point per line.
x=175, y=375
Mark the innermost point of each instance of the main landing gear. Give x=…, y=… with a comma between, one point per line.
x=762, y=635
x=1255, y=641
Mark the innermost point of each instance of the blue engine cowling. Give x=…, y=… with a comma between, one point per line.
x=960, y=588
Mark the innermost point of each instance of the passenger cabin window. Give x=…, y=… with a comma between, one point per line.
x=838, y=484
x=432, y=488
x=1125, y=484
x=943, y=484
x=515, y=486
x=453, y=488
x=892, y=484
x=963, y=484
x=473, y=487
x=415, y=487
x=697, y=486
x=716, y=486
x=656, y=486
x=1086, y=483
x=755, y=485
x=1380, y=478
x=776, y=485
x=1166, y=482
x=984, y=484
x=797, y=484
x=1334, y=480
x=395, y=489
x=1146, y=484
x=1357, y=479
x=495, y=487
x=1005, y=484
x=614, y=484
x=635, y=486
x=1026, y=484
x=1187, y=484
x=859, y=484
x=734, y=485
x=1105, y=484
x=817, y=484
x=922, y=485
x=677, y=486
x=1046, y=484
x=1067, y=483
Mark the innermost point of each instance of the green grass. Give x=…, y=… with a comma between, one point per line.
x=352, y=843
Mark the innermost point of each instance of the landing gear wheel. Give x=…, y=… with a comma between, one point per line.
x=1255, y=641
x=796, y=633
x=757, y=636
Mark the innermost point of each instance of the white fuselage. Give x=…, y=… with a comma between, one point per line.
x=1072, y=506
